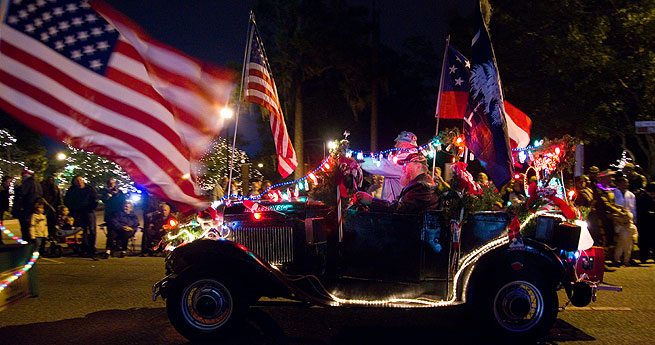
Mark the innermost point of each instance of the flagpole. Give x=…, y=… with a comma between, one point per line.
x=443, y=68
x=246, y=57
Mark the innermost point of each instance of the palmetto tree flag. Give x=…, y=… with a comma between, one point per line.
x=455, y=93
x=261, y=89
x=93, y=79
x=485, y=126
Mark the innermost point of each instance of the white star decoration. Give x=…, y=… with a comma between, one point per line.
x=452, y=69
x=95, y=64
x=459, y=81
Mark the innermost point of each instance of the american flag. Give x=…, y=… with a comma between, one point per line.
x=112, y=90
x=260, y=89
x=454, y=99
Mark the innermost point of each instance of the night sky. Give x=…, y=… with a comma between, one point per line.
x=215, y=31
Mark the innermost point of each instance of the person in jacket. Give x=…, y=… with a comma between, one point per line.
x=122, y=226
x=82, y=200
x=38, y=227
x=646, y=223
x=418, y=194
x=392, y=172
x=113, y=199
x=52, y=200
x=157, y=229
x=26, y=196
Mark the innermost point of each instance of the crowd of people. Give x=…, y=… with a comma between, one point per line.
x=622, y=212
x=45, y=213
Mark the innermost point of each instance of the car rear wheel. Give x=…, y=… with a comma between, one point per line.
x=202, y=307
x=518, y=306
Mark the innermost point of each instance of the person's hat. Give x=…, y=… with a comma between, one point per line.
x=594, y=169
x=584, y=178
x=407, y=137
x=607, y=172
x=413, y=157
x=27, y=173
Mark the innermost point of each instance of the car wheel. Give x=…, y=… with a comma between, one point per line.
x=202, y=307
x=518, y=306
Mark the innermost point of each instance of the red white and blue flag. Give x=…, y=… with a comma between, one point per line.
x=485, y=125
x=104, y=86
x=260, y=89
x=455, y=93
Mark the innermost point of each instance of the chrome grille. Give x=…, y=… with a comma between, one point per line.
x=273, y=244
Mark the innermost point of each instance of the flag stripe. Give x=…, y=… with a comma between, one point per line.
x=46, y=75
x=46, y=85
x=55, y=125
x=66, y=114
x=117, y=93
x=453, y=105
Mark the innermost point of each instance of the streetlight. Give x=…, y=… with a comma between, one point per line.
x=260, y=165
x=226, y=113
x=61, y=156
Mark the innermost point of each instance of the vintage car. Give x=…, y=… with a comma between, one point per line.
x=298, y=250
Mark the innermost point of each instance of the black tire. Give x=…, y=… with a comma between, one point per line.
x=203, y=306
x=57, y=251
x=517, y=305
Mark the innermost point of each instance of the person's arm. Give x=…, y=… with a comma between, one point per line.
x=386, y=168
x=33, y=222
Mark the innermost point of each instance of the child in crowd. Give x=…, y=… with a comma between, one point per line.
x=626, y=232
x=65, y=222
x=39, y=227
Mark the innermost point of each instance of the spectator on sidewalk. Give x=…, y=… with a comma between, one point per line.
x=52, y=199
x=626, y=235
x=113, y=199
x=636, y=181
x=26, y=196
x=156, y=230
x=4, y=199
x=624, y=197
x=122, y=226
x=646, y=223
x=82, y=200
x=584, y=195
x=38, y=227
x=4, y=196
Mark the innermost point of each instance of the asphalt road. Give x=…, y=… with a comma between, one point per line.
x=109, y=302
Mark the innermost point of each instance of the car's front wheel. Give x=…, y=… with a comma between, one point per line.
x=202, y=307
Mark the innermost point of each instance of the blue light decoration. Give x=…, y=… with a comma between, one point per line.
x=557, y=185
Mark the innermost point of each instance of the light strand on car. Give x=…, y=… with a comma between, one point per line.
x=465, y=262
x=11, y=235
x=21, y=271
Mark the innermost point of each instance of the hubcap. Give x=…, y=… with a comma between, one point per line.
x=518, y=306
x=206, y=304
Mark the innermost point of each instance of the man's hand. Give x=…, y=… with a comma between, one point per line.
x=127, y=228
x=363, y=198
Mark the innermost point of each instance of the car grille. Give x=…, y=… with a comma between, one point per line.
x=273, y=244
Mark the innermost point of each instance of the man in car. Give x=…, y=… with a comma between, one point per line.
x=418, y=193
x=391, y=171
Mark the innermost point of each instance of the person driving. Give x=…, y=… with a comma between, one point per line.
x=391, y=185
x=418, y=193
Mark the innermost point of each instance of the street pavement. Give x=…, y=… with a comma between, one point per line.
x=109, y=302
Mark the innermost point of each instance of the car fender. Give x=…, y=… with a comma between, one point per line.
x=533, y=255
x=231, y=258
